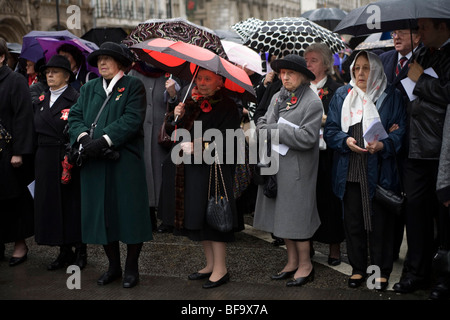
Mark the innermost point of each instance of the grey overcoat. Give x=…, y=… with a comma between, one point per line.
x=293, y=213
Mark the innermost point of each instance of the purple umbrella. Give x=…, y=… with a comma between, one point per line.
x=50, y=46
x=32, y=50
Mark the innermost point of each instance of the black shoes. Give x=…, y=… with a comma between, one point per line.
x=301, y=281
x=441, y=291
x=283, y=275
x=381, y=285
x=278, y=242
x=165, y=229
x=65, y=258
x=408, y=285
x=13, y=261
x=109, y=277
x=199, y=276
x=214, y=284
x=81, y=256
x=130, y=280
x=333, y=261
x=355, y=283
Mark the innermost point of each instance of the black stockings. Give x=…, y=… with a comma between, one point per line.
x=112, y=251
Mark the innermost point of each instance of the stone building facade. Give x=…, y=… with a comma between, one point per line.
x=19, y=17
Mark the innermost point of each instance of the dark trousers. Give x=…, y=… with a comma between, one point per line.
x=422, y=210
x=378, y=243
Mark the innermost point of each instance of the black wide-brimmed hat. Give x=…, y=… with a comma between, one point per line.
x=292, y=62
x=119, y=52
x=59, y=61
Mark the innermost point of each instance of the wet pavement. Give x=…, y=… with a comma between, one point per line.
x=167, y=260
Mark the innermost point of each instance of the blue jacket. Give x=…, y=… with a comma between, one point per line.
x=392, y=111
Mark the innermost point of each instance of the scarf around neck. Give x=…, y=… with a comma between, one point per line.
x=109, y=87
x=359, y=106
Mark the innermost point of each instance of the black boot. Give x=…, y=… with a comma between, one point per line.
x=65, y=258
x=114, y=272
x=80, y=255
x=131, y=274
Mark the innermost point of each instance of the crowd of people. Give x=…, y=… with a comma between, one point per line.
x=88, y=143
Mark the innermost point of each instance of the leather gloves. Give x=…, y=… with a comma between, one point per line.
x=93, y=148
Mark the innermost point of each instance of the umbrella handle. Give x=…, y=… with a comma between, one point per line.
x=190, y=85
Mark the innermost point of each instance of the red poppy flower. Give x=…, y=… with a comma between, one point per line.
x=167, y=75
x=294, y=100
x=121, y=89
x=206, y=106
x=64, y=114
x=41, y=97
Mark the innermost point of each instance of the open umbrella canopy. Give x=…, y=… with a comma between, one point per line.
x=182, y=59
x=328, y=18
x=176, y=29
x=246, y=28
x=32, y=50
x=228, y=35
x=288, y=35
x=380, y=40
x=51, y=45
x=100, y=35
x=389, y=15
x=243, y=56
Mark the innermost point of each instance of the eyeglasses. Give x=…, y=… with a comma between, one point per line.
x=399, y=34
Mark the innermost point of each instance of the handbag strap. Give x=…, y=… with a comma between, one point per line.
x=94, y=124
x=216, y=181
x=221, y=176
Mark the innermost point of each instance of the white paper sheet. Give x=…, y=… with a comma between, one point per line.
x=375, y=132
x=409, y=85
x=31, y=188
x=281, y=148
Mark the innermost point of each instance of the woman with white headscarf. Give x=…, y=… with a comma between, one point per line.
x=360, y=165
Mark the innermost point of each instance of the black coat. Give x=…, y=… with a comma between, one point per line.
x=16, y=114
x=57, y=205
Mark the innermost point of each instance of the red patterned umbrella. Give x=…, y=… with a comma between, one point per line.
x=182, y=59
x=176, y=29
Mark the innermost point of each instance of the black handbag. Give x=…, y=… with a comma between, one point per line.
x=388, y=199
x=218, y=213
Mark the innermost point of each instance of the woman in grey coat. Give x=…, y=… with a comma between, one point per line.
x=292, y=214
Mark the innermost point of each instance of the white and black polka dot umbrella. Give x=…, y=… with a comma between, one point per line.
x=246, y=28
x=288, y=35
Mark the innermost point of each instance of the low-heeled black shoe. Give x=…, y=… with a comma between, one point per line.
x=165, y=228
x=381, y=285
x=278, y=242
x=214, y=284
x=199, y=276
x=355, y=283
x=333, y=261
x=283, y=275
x=108, y=277
x=441, y=291
x=130, y=280
x=301, y=281
x=14, y=261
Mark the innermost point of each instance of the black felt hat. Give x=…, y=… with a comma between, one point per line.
x=292, y=62
x=119, y=52
x=59, y=61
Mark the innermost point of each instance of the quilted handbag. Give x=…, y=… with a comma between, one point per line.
x=218, y=213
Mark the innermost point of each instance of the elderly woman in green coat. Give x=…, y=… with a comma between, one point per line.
x=113, y=187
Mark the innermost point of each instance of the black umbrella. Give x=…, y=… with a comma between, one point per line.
x=288, y=35
x=326, y=17
x=388, y=15
x=100, y=35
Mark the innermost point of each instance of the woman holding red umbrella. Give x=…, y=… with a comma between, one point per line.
x=209, y=105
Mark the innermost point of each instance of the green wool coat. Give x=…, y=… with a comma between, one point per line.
x=114, y=198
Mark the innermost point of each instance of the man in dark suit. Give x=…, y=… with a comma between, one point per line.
x=405, y=42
